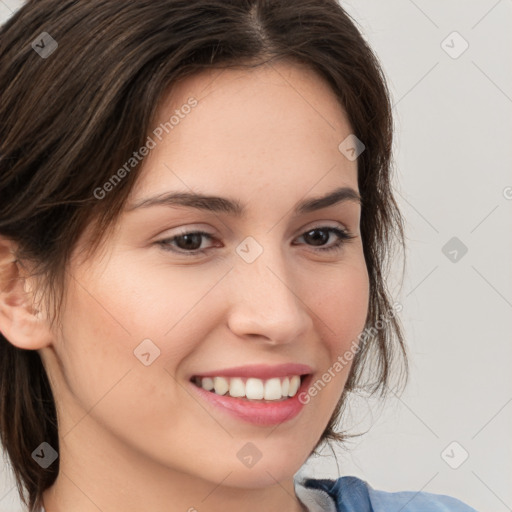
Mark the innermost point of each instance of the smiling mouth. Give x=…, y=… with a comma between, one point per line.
x=276, y=389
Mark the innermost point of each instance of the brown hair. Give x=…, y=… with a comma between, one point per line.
x=68, y=121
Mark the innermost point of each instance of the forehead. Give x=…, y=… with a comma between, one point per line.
x=278, y=125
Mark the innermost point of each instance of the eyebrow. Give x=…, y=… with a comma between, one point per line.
x=224, y=205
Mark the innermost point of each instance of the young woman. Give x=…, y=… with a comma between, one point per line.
x=195, y=220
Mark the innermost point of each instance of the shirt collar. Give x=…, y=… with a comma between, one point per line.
x=315, y=499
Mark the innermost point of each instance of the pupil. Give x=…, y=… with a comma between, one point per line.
x=322, y=238
x=190, y=238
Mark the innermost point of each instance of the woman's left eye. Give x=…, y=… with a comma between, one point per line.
x=342, y=237
x=189, y=243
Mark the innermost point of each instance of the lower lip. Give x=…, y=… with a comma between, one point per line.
x=257, y=412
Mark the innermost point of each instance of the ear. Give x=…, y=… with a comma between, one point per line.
x=22, y=324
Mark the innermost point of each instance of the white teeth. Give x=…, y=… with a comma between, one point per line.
x=236, y=387
x=294, y=385
x=221, y=385
x=286, y=386
x=273, y=389
x=254, y=389
x=207, y=383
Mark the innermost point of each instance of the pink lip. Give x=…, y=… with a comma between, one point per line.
x=257, y=412
x=260, y=371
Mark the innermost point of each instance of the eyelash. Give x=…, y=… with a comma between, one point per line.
x=343, y=237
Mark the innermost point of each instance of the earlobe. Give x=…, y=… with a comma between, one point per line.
x=22, y=324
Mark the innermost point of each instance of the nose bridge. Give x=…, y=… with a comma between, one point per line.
x=264, y=299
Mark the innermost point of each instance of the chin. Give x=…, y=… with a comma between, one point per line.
x=263, y=473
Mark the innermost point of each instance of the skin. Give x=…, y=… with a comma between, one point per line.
x=131, y=436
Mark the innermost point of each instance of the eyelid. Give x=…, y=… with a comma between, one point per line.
x=343, y=234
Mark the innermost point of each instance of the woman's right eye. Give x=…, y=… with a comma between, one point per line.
x=188, y=243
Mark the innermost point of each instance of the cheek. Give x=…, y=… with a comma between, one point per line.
x=103, y=322
x=95, y=346
x=340, y=307
x=340, y=303
x=119, y=306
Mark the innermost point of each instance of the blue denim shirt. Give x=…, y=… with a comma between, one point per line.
x=351, y=494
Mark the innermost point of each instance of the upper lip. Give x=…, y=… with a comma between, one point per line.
x=259, y=371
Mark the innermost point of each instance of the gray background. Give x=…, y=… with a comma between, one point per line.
x=453, y=149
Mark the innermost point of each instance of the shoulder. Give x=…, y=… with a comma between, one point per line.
x=351, y=493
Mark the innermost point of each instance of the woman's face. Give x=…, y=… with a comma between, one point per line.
x=143, y=317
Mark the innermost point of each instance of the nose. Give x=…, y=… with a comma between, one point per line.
x=264, y=303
